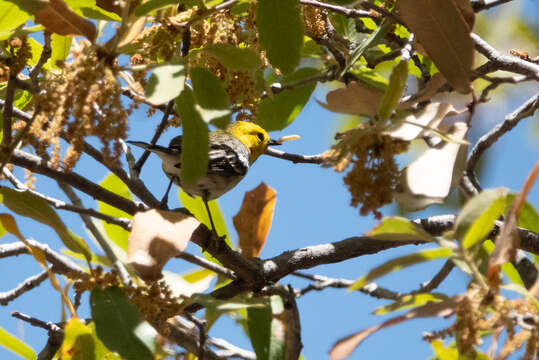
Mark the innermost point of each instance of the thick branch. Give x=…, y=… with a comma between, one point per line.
x=38, y=165
x=61, y=205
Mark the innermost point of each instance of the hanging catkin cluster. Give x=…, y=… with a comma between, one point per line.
x=84, y=100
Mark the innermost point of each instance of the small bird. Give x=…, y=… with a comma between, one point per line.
x=232, y=152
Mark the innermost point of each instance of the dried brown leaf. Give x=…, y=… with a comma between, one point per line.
x=58, y=18
x=344, y=347
x=440, y=27
x=253, y=221
x=466, y=10
x=356, y=99
x=110, y=5
x=156, y=236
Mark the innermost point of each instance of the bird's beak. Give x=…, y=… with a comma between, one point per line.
x=273, y=142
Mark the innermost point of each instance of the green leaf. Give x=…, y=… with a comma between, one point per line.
x=196, y=207
x=372, y=40
x=344, y=25
x=410, y=301
x=280, y=30
x=117, y=234
x=278, y=111
x=399, y=263
x=508, y=268
x=89, y=9
x=165, y=83
x=78, y=342
x=27, y=204
x=259, y=326
x=15, y=345
x=211, y=95
x=397, y=84
x=152, y=5
x=11, y=16
x=234, y=58
x=400, y=229
x=266, y=329
x=195, y=141
x=444, y=353
x=116, y=321
x=370, y=77
x=478, y=216
x=208, y=89
x=60, y=46
x=528, y=217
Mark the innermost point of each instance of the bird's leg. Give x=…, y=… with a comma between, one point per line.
x=213, y=229
x=209, y=215
x=164, y=201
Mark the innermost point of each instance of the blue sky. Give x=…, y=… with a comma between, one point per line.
x=312, y=208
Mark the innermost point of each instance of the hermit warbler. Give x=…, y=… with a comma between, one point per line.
x=232, y=152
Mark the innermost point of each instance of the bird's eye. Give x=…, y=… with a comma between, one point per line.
x=260, y=136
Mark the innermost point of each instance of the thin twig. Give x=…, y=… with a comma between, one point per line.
x=437, y=279
x=60, y=263
x=323, y=282
x=381, y=10
x=38, y=165
x=157, y=134
x=7, y=114
x=26, y=285
x=480, y=5
x=348, y=12
x=525, y=110
x=202, y=336
x=45, y=55
x=197, y=260
x=61, y=205
x=98, y=235
x=36, y=322
x=295, y=158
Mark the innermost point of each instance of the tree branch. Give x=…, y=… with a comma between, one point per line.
x=61, y=205
x=26, y=285
x=38, y=165
x=295, y=158
x=60, y=263
x=480, y=5
x=348, y=12
x=525, y=110
x=504, y=62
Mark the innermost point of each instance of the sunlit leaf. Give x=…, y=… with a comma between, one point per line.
x=234, y=58
x=397, y=85
x=165, y=83
x=410, y=301
x=401, y=262
x=398, y=229
x=16, y=346
x=477, y=217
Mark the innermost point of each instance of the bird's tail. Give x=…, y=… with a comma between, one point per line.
x=158, y=149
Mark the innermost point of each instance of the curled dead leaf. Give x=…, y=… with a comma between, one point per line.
x=58, y=18
x=253, y=221
x=157, y=236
